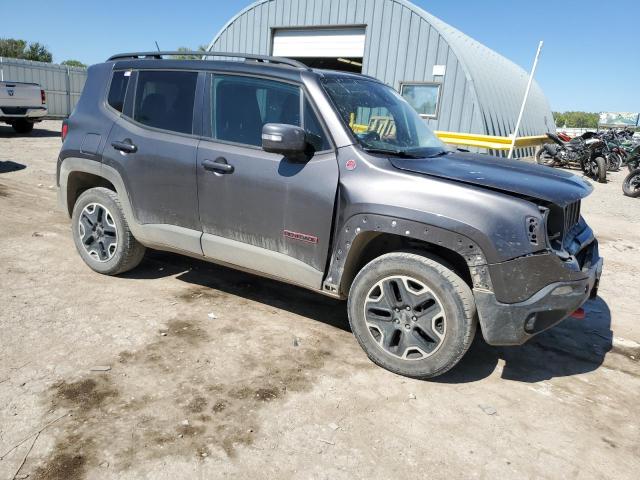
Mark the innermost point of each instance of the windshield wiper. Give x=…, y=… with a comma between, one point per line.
x=439, y=154
x=389, y=151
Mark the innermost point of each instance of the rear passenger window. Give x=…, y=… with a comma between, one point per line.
x=118, y=89
x=242, y=105
x=165, y=100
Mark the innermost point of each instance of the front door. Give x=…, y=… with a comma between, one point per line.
x=259, y=210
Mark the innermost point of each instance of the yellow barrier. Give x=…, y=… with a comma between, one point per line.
x=489, y=141
x=384, y=125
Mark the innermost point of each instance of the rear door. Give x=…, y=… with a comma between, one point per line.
x=154, y=145
x=261, y=210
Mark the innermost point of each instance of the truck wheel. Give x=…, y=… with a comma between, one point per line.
x=102, y=235
x=412, y=314
x=22, y=126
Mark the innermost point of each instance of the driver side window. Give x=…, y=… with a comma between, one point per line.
x=243, y=105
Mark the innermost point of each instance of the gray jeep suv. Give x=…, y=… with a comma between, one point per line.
x=329, y=181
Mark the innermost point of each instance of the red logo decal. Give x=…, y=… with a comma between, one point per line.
x=351, y=164
x=300, y=236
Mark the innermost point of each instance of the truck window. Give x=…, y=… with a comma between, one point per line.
x=242, y=105
x=118, y=90
x=165, y=100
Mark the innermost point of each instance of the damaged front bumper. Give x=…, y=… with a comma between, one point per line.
x=508, y=319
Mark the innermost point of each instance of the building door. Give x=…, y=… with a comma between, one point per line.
x=330, y=48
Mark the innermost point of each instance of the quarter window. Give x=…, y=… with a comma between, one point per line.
x=118, y=89
x=423, y=97
x=165, y=100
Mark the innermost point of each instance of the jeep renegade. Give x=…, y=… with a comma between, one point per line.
x=330, y=181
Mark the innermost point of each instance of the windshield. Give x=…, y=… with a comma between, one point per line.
x=381, y=120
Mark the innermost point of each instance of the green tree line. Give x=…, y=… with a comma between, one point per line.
x=36, y=51
x=576, y=119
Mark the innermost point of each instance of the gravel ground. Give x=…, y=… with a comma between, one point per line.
x=183, y=369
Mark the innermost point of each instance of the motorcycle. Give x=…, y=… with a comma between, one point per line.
x=584, y=152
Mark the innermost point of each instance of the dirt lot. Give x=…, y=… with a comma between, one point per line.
x=274, y=385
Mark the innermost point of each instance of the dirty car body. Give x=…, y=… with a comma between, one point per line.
x=511, y=230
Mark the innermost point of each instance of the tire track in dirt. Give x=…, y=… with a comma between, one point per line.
x=166, y=399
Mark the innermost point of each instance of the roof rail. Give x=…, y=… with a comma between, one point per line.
x=246, y=56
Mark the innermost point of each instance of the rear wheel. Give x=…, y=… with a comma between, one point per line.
x=22, y=126
x=101, y=233
x=545, y=158
x=596, y=168
x=631, y=184
x=411, y=314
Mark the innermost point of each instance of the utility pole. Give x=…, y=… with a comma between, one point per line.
x=524, y=101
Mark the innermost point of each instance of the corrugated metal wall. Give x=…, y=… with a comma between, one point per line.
x=62, y=84
x=481, y=90
x=401, y=46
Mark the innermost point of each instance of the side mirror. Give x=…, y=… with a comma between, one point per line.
x=287, y=140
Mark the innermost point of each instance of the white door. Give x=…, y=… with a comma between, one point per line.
x=319, y=42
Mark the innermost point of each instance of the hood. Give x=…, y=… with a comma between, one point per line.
x=510, y=176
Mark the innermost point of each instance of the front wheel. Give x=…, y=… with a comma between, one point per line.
x=596, y=168
x=102, y=235
x=614, y=162
x=411, y=314
x=631, y=184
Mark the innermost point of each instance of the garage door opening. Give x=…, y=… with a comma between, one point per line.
x=330, y=48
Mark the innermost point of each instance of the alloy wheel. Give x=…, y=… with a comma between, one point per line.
x=405, y=317
x=98, y=232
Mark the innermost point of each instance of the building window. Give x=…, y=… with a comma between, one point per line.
x=423, y=97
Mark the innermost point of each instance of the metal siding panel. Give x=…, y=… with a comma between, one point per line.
x=350, y=11
x=372, y=43
x=412, y=48
x=402, y=49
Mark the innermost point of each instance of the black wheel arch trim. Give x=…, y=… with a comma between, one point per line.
x=363, y=224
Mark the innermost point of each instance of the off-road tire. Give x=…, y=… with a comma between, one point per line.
x=128, y=253
x=22, y=126
x=629, y=184
x=453, y=294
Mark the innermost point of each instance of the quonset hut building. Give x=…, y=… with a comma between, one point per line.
x=456, y=83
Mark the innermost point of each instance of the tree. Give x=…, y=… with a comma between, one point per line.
x=576, y=119
x=15, y=48
x=201, y=48
x=74, y=63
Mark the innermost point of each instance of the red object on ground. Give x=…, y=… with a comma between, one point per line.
x=579, y=314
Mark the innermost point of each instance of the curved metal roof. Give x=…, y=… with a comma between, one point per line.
x=496, y=84
x=499, y=83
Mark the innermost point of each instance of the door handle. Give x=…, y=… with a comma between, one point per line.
x=125, y=146
x=220, y=166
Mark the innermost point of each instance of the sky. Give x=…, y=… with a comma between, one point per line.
x=590, y=60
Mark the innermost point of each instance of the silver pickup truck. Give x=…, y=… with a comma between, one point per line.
x=22, y=104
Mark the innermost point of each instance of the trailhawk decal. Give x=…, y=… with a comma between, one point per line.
x=300, y=236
